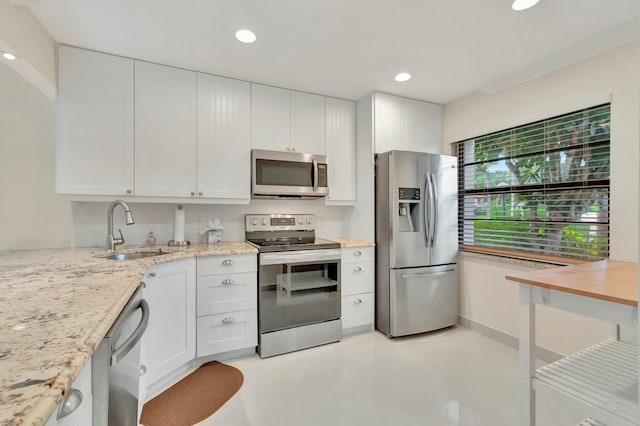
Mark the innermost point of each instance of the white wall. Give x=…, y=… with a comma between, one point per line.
x=31, y=214
x=610, y=76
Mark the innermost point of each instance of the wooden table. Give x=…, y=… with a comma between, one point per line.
x=602, y=380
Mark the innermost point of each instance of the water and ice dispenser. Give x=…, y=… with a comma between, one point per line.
x=409, y=209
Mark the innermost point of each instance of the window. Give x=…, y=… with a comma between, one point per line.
x=538, y=191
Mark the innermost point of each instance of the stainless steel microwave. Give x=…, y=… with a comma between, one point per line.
x=276, y=174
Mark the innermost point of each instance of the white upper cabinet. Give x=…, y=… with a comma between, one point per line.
x=307, y=123
x=406, y=124
x=224, y=138
x=286, y=120
x=341, y=150
x=269, y=118
x=165, y=131
x=95, y=123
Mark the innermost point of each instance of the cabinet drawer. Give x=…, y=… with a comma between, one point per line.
x=357, y=310
x=226, y=293
x=358, y=254
x=227, y=332
x=357, y=278
x=212, y=265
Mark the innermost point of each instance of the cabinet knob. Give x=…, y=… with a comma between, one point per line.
x=228, y=281
x=357, y=301
x=200, y=194
x=228, y=320
x=357, y=269
x=193, y=194
x=129, y=191
x=357, y=253
x=293, y=149
x=227, y=262
x=152, y=274
x=288, y=149
x=71, y=403
x=143, y=370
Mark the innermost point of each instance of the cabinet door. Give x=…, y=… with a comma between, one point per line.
x=307, y=123
x=165, y=131
x=406, y=124
x=224, y=137
x=341, y=149
x=269, y=118
x=170, y=339
x=95, y=123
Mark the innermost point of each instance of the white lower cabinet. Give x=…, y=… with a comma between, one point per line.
x=169, y=342
x=358, y=285
x=76, y=409
x=227, y=304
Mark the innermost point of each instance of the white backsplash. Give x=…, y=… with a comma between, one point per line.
x=89, y=220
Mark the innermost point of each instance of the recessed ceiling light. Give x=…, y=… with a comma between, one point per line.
x=523, y=4
x=245, y=36
x=403, y=76
x=8, y=56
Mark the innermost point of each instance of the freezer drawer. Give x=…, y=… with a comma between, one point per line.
x=422, y=299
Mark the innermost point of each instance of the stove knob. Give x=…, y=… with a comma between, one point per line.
x=300, y=221
x=254, y=221
x=309, y=221
x=263, y=221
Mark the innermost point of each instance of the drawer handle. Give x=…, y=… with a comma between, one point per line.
x=228, y=320
x=228, y=281
x=227, y=262
x=357, y=269
x=71, y=403
x=152, y=274
x=357, y=253
x=357, y=301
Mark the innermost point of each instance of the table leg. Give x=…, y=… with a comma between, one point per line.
x=527, y=356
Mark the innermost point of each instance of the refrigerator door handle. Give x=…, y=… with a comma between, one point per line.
x=426, y=206
x=434, y=222
x=428, y=274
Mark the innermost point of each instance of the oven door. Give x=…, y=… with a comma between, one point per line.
x=286, y=174
x=298, y=288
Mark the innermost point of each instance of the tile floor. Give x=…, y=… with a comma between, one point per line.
x=453, y=377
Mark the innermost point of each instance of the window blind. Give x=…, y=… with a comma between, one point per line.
x=540, y=190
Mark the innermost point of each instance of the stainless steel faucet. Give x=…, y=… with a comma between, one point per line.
x=112, y=241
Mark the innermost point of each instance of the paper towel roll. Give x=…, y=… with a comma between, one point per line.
x=178, y=226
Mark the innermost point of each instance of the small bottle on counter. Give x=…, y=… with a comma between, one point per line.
x=151, y=239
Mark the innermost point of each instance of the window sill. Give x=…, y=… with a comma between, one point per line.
x=511, y=260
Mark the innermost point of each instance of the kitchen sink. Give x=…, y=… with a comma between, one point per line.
x=135, y=255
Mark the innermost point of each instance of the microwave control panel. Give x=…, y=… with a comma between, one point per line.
x=322, y=176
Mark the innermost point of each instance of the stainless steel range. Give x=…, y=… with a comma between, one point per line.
x=298, y=283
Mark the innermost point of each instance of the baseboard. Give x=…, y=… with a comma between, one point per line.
x=357, y=330
x=542, y=353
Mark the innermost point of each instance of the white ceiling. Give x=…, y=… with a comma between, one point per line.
x=347, y=48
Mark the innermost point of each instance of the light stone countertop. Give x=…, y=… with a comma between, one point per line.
x=350, y=243
x=56, y=305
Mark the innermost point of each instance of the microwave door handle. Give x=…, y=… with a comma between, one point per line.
x=314, y=176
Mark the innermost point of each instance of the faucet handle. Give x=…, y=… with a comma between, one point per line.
x=118, y=241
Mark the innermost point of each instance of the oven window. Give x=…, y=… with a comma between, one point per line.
x=283, y=173
x=293, y=295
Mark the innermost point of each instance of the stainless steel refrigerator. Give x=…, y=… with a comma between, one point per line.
x=416, y=242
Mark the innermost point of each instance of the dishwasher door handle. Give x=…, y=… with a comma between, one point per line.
x=120, y=352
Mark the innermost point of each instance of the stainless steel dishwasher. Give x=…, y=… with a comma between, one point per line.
x=115, y=369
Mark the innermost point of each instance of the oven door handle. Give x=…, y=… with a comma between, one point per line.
x=299, y=257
